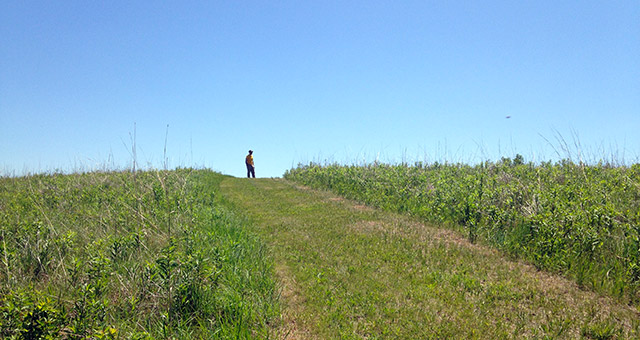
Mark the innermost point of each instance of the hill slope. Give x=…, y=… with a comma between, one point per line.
x=123, y=255
x=350, y=271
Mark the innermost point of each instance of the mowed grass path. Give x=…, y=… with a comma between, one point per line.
x=352, y=272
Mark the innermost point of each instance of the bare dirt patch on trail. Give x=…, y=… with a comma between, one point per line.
x=293, y=326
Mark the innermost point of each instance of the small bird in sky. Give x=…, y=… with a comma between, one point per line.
x=508, y=117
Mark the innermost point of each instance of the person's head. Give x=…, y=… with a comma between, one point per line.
x=250, y=152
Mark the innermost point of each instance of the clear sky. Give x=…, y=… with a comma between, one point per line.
x=300, y=81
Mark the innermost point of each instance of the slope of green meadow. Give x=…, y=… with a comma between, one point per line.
x=127, y=255
x=578, y=220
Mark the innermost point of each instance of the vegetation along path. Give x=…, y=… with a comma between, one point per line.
x=350, y=271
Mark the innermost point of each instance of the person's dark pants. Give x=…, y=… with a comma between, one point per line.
x=251, y=171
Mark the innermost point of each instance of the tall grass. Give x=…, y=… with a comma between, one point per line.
x=129, y=255
x=580, y=220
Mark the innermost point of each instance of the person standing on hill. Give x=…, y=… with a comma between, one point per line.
x=251, y=170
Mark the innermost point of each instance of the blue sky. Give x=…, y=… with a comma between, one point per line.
x=301, y=81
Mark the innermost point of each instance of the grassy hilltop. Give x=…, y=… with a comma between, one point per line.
x=503, y=250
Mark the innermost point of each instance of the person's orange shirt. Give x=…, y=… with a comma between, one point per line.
x=249, y=160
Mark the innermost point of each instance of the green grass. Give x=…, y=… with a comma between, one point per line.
x=353, y=272
x=194, y=254
x=129, y=256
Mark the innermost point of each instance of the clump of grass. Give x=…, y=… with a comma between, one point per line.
x=151, y=254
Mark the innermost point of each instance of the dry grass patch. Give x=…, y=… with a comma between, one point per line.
x=293, y=326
